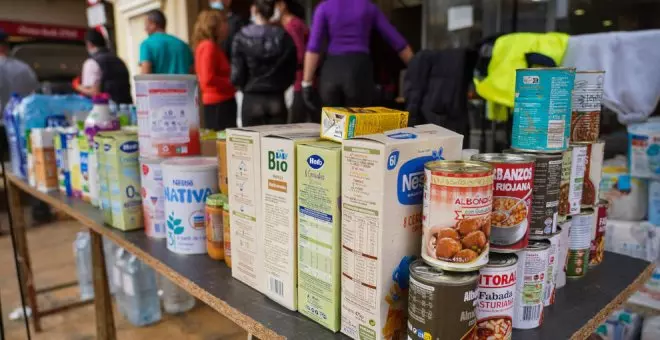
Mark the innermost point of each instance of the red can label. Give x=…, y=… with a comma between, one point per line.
x=598, y=240
x=512, y=200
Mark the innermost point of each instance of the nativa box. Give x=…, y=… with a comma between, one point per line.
x=382, y=192
x=244, y=171
x=319, y=231
x=339, y=123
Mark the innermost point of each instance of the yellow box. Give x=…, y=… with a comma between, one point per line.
x=340, y=123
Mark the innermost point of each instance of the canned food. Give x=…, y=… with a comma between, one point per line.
x=572, y=180
x=597, y=250
x=441, y=304
x=579, y=244
x=458, y=200
x=587, y=99
x=512, y=199
x=153, y=202
x=214, y=220
x=542, y=109
x=545, y=195
x=497, y=292
x=560, y=274
x=530, y=286
x=593, y=172
x=553, y=267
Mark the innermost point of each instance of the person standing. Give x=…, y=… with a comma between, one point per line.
x=15, y=75
x=103, y=71
x=162, y=53
x=234, y=20
x=263, y=67
x=213, y=70
x=347, y=72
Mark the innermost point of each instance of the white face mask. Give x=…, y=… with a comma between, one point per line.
x=276, y=15
x=217, y=5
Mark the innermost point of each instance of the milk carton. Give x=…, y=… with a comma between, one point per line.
x=62, y=138
x=73, y=156
x=319, y=231
x=244, y=171
x=278, y=208
x=88, y=171
x=102, y=169
x=122, y=170
x=382, y=191
x=43, y=159
x=339, y=123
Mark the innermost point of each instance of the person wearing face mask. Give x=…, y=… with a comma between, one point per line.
x=235, y=23
x=103, y=71
x=347, y=73
x=263, y=66
x=213, y=70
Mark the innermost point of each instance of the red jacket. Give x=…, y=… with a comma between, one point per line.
x=213, y=72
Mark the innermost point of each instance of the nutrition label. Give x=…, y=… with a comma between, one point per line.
x=420, y=305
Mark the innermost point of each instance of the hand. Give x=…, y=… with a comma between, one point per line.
x=311, y=98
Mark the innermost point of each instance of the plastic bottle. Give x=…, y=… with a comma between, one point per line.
x=175, y=299
x=100, y=118
x=83, y=253
x=124, y=115
x=11, y=125
x=109, y=250
x=133, y=114
x=118, y=269
x=141, y=293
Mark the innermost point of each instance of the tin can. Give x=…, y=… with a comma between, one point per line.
x=153, y=201
x=587, y=100
x=545, y=196
x=168, y=115
x=458, y=200
x=597, y=250
x=187, y=183
x=560, y=274
x=552, y=268
x=512, y=200
x=542, y=109
x=579, y=243
x=497, y=293
x=530, y=286
x=441, y=304
x=215, y=226
x=593, y=173
x=572, y=180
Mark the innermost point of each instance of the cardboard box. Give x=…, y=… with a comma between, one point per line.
x=104, y=186
x=382, y=192
x=319, y=231
x=221, y=147
x=339, y=123
x=244, y=169
x=43, y=159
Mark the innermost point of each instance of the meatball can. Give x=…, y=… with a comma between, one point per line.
x=572, y=180
x=579, y=244
x=497, y=293
x=530, y=286
x=513, y=178
x=441, y=304
x=597, y=250
x=545, y=193
x=586, y=106
x=593, y=172
x=458, y=200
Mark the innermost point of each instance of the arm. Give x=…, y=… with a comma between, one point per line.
x=204, y=64
x=90, y=84
x=238, y=65
x=145, y=59
x=318, y=32
x=290, y=59
x=392, y=36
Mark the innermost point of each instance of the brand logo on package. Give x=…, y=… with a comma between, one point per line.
x=531, y=80
x=106, y=147
x=131, y=146
x=315, y=162
x=277, y=160
x=410, y=181
x=402, y=135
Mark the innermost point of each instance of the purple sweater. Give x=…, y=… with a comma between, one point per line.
x=347, y=24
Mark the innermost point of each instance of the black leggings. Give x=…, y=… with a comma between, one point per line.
x=220, y=116
x=263, y=109
x=300, y=113
x=347, y=80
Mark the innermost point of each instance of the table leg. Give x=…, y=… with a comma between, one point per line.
x=20, y=239
x=105, y=322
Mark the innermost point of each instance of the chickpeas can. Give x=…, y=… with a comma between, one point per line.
x=458, y=200
x=530, y=286
x=597, y=250
x=579, y=244
x=512, y=200
x=593, y=172
x=542, y=109
x=587, y=100
x=497, y=294
x=545, y=193
x=441, y=304
x=572, y=180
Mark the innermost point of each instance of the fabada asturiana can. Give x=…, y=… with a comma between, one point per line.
x=153, y=201
x=187, y=182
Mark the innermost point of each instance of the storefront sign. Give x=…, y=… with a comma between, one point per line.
x=36, y=30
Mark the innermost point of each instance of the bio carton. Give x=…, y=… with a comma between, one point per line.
x=382, y=192
x=339, y=123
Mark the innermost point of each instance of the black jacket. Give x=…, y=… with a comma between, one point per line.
x=115, y=79
x=263, y=59
x=235, y=23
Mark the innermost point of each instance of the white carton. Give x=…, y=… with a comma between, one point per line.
x=244, y=168
x=382, y=191
x=278, y=208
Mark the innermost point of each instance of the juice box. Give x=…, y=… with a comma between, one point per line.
x=278, y=208
x=73, y=155
x=244, y=178
x=123, y=175
x=61, y=139
x=382, y=192
x=319, y=231
x=104, y=187
x=339, y=123
x=88, y=171
x=43, y=159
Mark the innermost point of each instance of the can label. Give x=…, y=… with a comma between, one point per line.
x=512, y=201
x=593, y=172
x=497, y=293
x=530, y=287
x=553, y=267
x=456, y=219
x=587, y=100
x=572, y=180
x=597, y=250
x=153, y=201
x=545, y=199
x=542, y=109
x=579, y=244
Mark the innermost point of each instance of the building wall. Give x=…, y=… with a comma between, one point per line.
x=54, y=12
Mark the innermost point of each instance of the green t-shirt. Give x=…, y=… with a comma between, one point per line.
x=167, y=54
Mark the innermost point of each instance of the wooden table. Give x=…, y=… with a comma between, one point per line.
x=581, y=306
